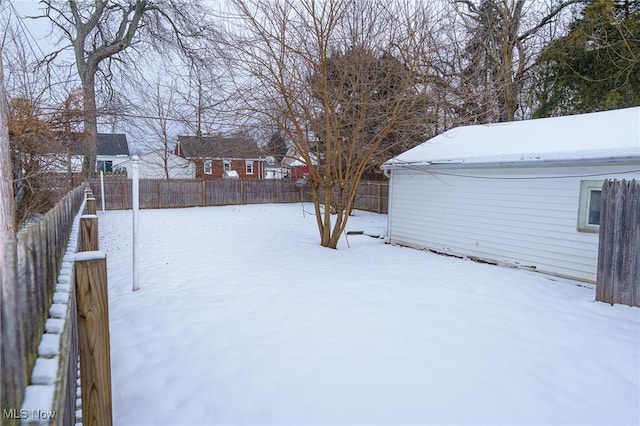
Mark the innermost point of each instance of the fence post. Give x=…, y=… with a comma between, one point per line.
x=619, y=244
x=91, y=206
x=204, y=194
x=123, y=195
x=135, y=208
x=93, y=337
x=89, y=232
x=14, y=374
x=102, y=190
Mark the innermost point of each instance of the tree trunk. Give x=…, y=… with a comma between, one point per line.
x=7, y=231
x=325, y=230
x=90, y=145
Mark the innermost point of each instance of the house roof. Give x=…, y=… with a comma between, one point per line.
x=218, y=147
x=108, y=143
x=112, y=144
x=294, y=159
x=607, y=135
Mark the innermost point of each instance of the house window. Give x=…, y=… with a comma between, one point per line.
x=227, y=165
x=208, y=167
x=589, y=209
x=249, y=167
x=105, y=165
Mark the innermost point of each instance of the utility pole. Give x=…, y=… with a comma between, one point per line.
x=7, y=226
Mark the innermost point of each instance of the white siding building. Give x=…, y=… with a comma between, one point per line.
x=523, y=193
x=152, y=166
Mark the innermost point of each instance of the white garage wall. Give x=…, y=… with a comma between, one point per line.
x=519, y=216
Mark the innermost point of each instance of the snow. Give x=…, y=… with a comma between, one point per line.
x=58, y=310
x=49, y=345
x=242, y=318
x=600, y=135
x=45, y=371
x=36, y=397
x=90, y=255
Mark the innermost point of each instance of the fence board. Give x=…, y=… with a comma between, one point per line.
x=618, y=276
x=12, y=349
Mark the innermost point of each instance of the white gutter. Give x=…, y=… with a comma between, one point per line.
x=513, y=163
x=389, y=174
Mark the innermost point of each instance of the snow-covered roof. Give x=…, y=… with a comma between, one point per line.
x=595, y=136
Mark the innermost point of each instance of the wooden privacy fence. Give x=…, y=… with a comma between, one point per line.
x=35, y=262
x=90, y=279
x=57, y=321
x=155, y=194
x=618, y=276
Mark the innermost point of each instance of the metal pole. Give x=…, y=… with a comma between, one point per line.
x=136, y=213
x=102, y=188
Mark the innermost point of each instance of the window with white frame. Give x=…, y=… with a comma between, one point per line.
x=208, y=167
x=249, y=167
x=105, y=165
x=227, y=165
x=589, y=209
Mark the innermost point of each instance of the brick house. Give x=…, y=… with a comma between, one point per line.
x=218, y=157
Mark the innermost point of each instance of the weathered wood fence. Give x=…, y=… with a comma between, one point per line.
x=618, y=276
x=54, y=313
x=90, y=278
x=154, y=194
x=35, y=260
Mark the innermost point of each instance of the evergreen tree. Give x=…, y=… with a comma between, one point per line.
x=277, y=145
x=363, y=86
x=596, y=66
x=482, y=71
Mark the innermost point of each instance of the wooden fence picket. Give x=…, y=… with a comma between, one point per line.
x=618, y=275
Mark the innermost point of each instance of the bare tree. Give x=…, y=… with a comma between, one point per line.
x=499, y=52
x=159, y=117
x=202, y=98
x=333, y=111
x=35, y=151
x=99, y=32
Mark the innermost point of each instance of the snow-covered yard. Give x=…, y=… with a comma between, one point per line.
x=242, y=318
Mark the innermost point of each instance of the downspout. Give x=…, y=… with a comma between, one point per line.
x=388, y=173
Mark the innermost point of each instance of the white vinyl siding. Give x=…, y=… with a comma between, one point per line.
x=528, y=222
